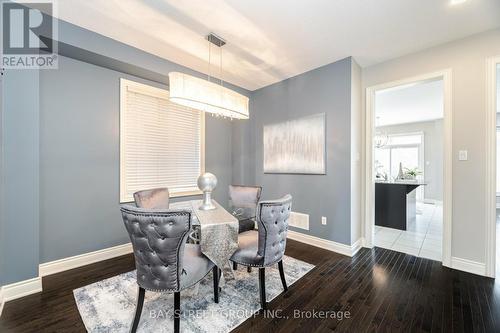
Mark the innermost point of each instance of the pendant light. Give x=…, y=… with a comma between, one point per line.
x=205, y=95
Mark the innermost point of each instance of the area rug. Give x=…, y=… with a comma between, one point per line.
x=109, y=305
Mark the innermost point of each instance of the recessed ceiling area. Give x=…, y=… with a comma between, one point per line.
x=268, y=41
x=413, y=103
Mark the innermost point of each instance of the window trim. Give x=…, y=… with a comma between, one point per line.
x=125, y=85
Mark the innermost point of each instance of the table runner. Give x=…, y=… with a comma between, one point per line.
x=219, y=233
x=219, y=230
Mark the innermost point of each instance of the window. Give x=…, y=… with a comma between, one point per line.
x=401, y=148
x=161, y=143
x=406, y=149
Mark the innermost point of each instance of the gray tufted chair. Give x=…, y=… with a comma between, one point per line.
x=156, y=198
x=243, y=205
x=159, y=198
x=266, y=246
x=164, y=262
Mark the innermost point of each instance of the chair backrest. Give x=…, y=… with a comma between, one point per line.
x=156, y=198
x=272, y=219
x=158, y=239
x=243, y=201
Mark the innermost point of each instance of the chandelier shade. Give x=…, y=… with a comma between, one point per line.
x=207, y=96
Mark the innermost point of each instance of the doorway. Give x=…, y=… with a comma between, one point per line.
x=396, y=158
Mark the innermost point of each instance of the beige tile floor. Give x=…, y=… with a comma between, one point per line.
x=423, y=238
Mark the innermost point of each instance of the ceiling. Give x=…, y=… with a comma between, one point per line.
x=268, y=41
x=412, y=103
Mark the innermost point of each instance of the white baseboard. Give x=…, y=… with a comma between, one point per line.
x=31, y=286
x=469, y=266
x=347, y=250
x=1, y=300
x=65, y=264
x=21, y=289
x=357, y=245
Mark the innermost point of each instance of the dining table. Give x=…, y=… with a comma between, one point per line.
x=218, y=232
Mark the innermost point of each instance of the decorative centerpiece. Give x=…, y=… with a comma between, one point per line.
x=207, y=183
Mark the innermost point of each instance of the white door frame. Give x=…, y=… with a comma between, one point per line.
x=369, y=184
x=491, y=163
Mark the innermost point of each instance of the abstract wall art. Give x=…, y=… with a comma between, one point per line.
x=296, y=146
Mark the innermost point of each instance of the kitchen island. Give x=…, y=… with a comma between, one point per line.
x=396, y=203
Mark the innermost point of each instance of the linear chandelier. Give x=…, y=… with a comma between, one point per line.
x=205, y=95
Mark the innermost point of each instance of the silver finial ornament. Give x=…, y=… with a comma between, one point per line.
x=207, y=183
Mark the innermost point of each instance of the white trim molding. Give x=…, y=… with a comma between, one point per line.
x=491, y=164
x=22, y=288
x=347, y=250
x=369, y=188
x=65, y=264
x=1, y=300
x=468, y=266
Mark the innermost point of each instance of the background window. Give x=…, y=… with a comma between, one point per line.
x=407, y=156
x=406, y=149
x=161, y=143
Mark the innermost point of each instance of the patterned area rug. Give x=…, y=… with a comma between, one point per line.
x=109, y=305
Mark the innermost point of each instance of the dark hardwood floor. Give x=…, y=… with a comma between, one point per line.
x=382, y=290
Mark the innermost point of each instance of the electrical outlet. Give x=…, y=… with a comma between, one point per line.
x=323, y=220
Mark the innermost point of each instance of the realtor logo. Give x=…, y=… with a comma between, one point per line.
x=28, y=35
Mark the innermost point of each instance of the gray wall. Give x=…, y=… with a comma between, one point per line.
x=356, y=149
x=2, y=186
x=19, y=247
x=77, y=139
x=466, y=58
x=80, y=159
x=433, y=151
x=323, y=90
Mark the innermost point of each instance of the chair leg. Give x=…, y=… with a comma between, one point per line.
x=177, y=312
x=249, y=269
x=282, y=275
x=262, y=285
x=235, y=266
x=138, y=310
x=215, y=272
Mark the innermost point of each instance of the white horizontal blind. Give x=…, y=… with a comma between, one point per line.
x=161, y=142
